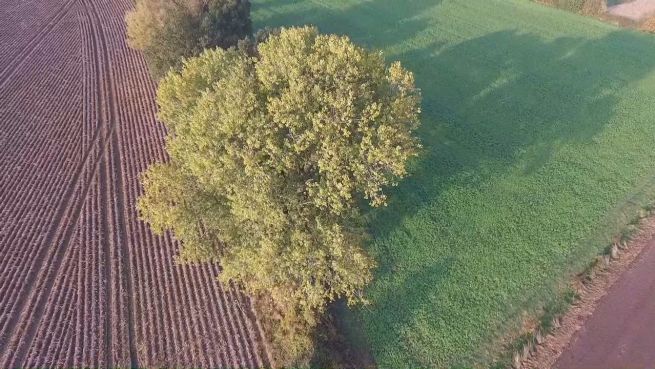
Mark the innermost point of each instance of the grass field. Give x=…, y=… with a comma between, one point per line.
x=538, y=127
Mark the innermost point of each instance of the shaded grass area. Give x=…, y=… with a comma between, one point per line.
x=538, y=127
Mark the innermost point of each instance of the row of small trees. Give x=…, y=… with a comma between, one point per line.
x=276, y=148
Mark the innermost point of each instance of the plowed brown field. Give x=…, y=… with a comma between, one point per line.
x=84, y=283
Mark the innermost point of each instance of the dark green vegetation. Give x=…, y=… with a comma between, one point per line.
x=272, y=153
x=538, y=129
x=586, y=7
x=169, y=30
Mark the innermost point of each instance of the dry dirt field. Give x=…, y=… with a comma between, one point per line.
x=83, y=283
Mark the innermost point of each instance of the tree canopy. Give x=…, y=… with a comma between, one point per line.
x=273, y=157
x=167, y=31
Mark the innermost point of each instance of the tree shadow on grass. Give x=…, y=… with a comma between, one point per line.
x=341, y=339
x=492, y=103
x=507, y=98
x=394, y=21
x=500, y=97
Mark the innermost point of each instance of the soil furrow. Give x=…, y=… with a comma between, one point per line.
x=9, y=70
x=86, y=283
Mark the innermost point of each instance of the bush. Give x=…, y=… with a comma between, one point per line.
x=167, y=31
x=271, y=158
x=648, y=25
x=586, y=7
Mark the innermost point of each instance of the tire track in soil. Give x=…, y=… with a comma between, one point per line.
x=120, y=237
x=72, y=211
x=31, y=235
x=76, y=351
x=104, y=148
x=26, y=51
x=63, y=213
x=59, y=304
x=104, y=203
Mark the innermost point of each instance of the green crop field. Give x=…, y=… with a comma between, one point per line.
x=539, y=136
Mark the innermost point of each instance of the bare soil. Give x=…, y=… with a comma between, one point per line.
x=611, y=325
x=83, y=282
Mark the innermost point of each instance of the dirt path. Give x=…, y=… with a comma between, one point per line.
x=619, y=334
x=608, y=326
x=635, y=10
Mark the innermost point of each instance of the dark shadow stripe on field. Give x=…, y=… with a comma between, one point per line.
x=492, y=103
x=489, y=102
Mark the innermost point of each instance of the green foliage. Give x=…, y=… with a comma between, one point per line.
x=537, y=126
x=224, y=23
x=586, y=7
x=570, y=5
x=271, y=158
x=167, y=31
x=555, y=309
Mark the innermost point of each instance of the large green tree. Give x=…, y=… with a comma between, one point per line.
x=273, y=154
x=167, y=31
